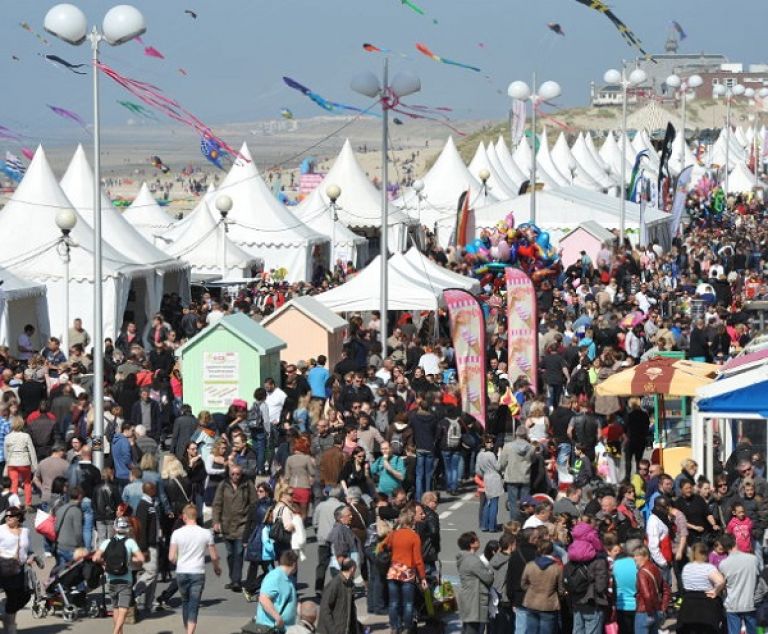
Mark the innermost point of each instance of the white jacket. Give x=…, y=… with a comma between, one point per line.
x=656, y=530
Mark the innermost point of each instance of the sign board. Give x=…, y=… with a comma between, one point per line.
x=221, y=379
x=308, y=182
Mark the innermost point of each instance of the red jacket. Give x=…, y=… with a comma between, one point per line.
x=652, y=591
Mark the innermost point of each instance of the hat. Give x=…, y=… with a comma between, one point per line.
x=122, y=526
x=14, y=511
x=528, y=501
x=239, y=403
x=521, y=432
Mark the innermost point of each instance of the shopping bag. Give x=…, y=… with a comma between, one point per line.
x=45, y=525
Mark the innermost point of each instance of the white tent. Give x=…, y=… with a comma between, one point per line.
x=493, y=157
x=524, y=157
x=740, y=136
x=642, y=141
x=265, y=228
x=428, y=269
x=208, y=250
x=146, y=216
x=163, y=274
x=30, y=250
x=22, y=303
x=567, y=164
x=593, y=151
x=363, y=291
x=315, y=212
x=496, y=183
x=741, y=179
x=546, y=163
x=679, y=145
x=610, y=152
x=506, y=160
x=590, y=165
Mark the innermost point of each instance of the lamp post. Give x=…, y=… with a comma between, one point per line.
x=674, y=81
x=729, y=92
x=66, y=219
x=418, y=187
x=333, y=192
x=389, y=94
x=484, y=175
x=224, y=206
x=121, y=24
x=635, y=78
x=520, y=90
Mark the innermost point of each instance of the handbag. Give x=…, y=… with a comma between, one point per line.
x=11, y=566
x=45, y=525
x=278, y=533
x=383, y=558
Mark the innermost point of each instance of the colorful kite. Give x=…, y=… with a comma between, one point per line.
x=151, y=51
x=157, y=163
x=14, y=168
x=413, y=7
x=138, y=109
x=28, y=153
x=397, y=121
x=629, y=37
x=212, y=150
x=68, y=114
x=8, y=134
x=555, y=28
x=325, y=104
x=15, y=59
x=679, y=29
x=286, y=114
x=372, y=48
x=26, y=27
x=182, y=72
x=68, y=65
x=422, y=48
x=191, y=13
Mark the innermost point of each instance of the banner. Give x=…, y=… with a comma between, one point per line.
x=681, y=195
x=468, y=333
x=666, y=152
x=465, y=230
x=632, y=189
x=521, y=327
x=517, y=126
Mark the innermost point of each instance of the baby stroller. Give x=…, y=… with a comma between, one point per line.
x=66, y=592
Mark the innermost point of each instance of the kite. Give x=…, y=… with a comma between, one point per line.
x=191, y=13
x=138, y=109
x=68, y=114
x=325, y=104
x=157, y=162
x=679, y=29
x=28, y=153
x=372, y=48
x=211, y=150
x=286, y=114
x=14, y=168
x=151, y=51
x=182, y=72
x=555, y=28
x=26, y=27
x=15, y=59
x=413, y=7
x=73, y=67
x=8, y=134
x=422, y=48
x=397, y=121
x=629, y=37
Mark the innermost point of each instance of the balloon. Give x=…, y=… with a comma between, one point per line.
x=503, y=250
x=471, y=249
x=510, y=219
x=543, y=240
x=495, y=253
x=497, y=266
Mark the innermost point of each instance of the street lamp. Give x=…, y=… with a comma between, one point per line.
x=520, y=90
x=333, y=192
x=389, y=94
x=729, y=92
x=121, y=24
x=674, y=81
x=66, y=219
x=635, y=78
x=224, y=206
x=418, y=188
x=484, y=175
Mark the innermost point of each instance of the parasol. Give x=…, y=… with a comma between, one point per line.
x=661, y=375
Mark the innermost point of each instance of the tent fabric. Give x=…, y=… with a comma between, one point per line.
x=493, y=157
x=363, y=292
x=741, y=179
x=497, y=182
x=544, y=158
x=610, y=152
x=446, y=277
x=589, y=142
x=586, y=161
x=523, y=156
x=654, y=118
x=660, y=375
x=146, y=216
x=507, y=161
x=21, y=303
x=747, y=400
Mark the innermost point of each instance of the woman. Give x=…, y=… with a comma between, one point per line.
x=299, y=472
x=177, y=389
x=284, y=511
x=638, y=424
x=14, y=555
x=216, y=468
x=20, y=458
x=702, y=610
x=687, y=474
x=127, y=392
x=176, y=484
x=383, y=416
x=537, y=422
x=542, y=582
x=254, y=548
x=194, y=466
x=407, y=566
x=487, y=467
x=356, y=471
x=721, y=501
x=205, y=436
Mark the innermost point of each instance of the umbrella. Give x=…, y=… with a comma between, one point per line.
x=633, y=319
x=661, y=375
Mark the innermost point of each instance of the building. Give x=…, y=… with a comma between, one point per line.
x=588, y=237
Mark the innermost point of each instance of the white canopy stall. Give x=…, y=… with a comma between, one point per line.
x=22, y=303
x=146, y=216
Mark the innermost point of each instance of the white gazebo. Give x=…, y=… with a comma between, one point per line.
x=146, y=216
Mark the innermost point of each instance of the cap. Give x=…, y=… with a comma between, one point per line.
x=521, y=432
x=238, y=402
x=528, y=501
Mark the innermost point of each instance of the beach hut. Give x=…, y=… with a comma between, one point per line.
x=589, y=236
x=228, y=360
x=22, y=303
x=307, y=327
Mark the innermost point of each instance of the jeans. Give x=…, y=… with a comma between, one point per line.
x=323, y=559
x=540, y=622
x=734, y=620
x=650, y=623
x=554, y=392
x=401, y=597
x=563, y=453
x=260, y=447
x=472, y=628
x=253, y=579
x=64, y=556
x=377, y=599
x=504, y=621
x=521, y=619
x=104, y=530
x=146, y=580
x=191, y=590
x=490, y=512
x=425, y=467
x=87, y=508
x=235, y=560
x=515, y=493
x=588, y=622
x=451, y=460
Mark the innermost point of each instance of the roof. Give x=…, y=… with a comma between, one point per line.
x=313, y=309
x=145, y=213
x=653, y=117
x=242, y=327
x=745, y=393
x=594, y=229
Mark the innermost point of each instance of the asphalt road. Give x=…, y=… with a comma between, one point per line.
x=225, y=612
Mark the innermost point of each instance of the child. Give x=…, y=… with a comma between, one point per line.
x=9, y=499
x=718, y=554
x=582, y=467
x=740, y=527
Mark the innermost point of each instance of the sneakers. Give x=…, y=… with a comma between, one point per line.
x=251, y=598
x=160, y=606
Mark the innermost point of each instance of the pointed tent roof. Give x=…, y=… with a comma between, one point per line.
x=315, y=212
x=674, y=160
x=508, y=163
x=610, y=152
x=29, y=248
x=741, y=179
x=146, y=215
x=361, y=200
x=493, y=157
x=567, y=164
x=446, y=277
x=523, y=156
x=590, y=143
x=586, y=161
x=642, y=141
x=77, y=184
x=177, y=227
x=496, y=182
x=740, y=137
x=654, y=118
x=545, y=161
x=259, y=218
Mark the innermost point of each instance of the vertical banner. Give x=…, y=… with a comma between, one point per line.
x=468, y=333
x=678, y=206
x=521, y=327
x=666, y=152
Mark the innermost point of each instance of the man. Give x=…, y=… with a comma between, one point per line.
x=741, y=572
x=119, y=570
x=41, y=427
x=428, y=528
x=356, y=392
x=698, y=516
x=145, y=443
x=665, y=490
x=323, y=520
x=337, y=606
x=48, y=469
x=25, y=345
x=189, y=545
x=307, y=619
x=424, y=425
x=317, y=378
x=344, y=544
x=31, y=393
x=653, y=593
x=78, y=334
x=69, y=527
x=277, y=599
x=570, y=504
x=230, y=512
x=583, y=430
x=560, y=421
x=259, y=427
x=161, y=358
x=389, y=469
x=183, y=429
x=542, y=515
x=122, y=454
x=556, y=374
x=89, y=478
x=147, y=539
x=331, y=462
x=504, y=621
x=475, y=581
x=746, y=471
x=132, y=492
x=146, y=412
x=515, y=464
x=275, y=401
x=54, y=357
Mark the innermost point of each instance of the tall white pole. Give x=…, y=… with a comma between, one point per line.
x=682, y=145
x=333, y=236
x=66, y=258
x=384, y=204
x=98, y=324
x=533, y=150
x=727, y=140
x=623, y=184
x=224, y=231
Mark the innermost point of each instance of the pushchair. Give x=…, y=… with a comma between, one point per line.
x=66, y=592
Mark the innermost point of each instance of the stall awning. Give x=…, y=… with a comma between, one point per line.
x=752, y=399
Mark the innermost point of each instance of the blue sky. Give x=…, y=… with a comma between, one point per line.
x=237, y=51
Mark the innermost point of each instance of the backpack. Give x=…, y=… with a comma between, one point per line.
x=577, y=581
x=116, y=557
x=254, y=546
x=453, y=437
x=255, y=419
x=397, y=445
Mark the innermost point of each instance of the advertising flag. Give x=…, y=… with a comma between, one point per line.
x=521, y=327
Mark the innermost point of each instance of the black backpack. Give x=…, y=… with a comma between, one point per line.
x=116, y=557
x=577, y=581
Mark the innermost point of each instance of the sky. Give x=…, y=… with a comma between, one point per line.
x=236, y=52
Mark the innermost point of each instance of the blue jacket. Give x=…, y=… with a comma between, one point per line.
x=121, y=456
